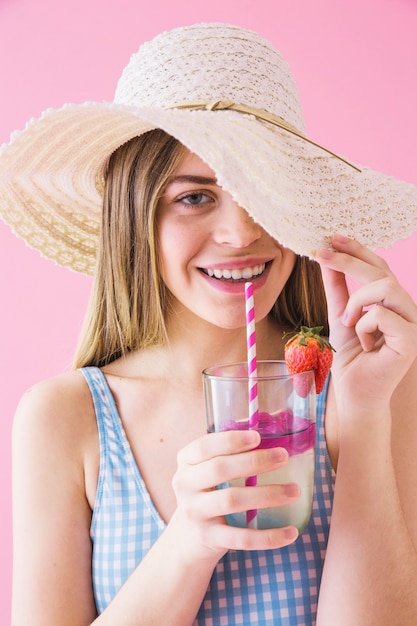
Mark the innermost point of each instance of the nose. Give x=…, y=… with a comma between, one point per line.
x=236, y=228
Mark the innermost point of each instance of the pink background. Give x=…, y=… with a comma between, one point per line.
x=355, y=61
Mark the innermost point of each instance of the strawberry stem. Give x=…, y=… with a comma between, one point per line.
x=309, y=333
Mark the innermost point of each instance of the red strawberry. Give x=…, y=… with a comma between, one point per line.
x=307, y=350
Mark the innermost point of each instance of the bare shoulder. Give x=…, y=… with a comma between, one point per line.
x=62, y=392
x=65, y=396
x=56, y=414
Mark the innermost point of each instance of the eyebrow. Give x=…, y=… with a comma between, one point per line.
x=190, y=178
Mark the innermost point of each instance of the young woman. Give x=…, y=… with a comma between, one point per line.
x=116, y=516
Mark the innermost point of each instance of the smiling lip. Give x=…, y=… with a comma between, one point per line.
x=236, y=274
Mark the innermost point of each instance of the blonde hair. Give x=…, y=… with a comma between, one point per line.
x=129, y=301
x=302, y=302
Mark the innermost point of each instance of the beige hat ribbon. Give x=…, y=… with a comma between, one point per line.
x=260, y=114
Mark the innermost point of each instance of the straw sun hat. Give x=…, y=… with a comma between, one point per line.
x=228, y=96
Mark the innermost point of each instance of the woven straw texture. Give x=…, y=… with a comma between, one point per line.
x=51, y=171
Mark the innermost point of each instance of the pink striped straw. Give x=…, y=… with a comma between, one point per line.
x=253, y=383
x=251, y=347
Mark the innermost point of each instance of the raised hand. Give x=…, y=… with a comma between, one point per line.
x=374, y=329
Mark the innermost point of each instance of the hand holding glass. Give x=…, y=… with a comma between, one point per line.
x=286, y=418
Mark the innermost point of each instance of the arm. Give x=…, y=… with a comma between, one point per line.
x=51, y=516
x=370, y=571
x=54, y=435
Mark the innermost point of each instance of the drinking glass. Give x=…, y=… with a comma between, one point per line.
x=286, y=418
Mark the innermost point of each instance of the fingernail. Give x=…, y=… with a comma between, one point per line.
x=250, y=437
x=324, y=253
x=340, y=238
x=291, y=533
x=292, y=490
x=279, y=455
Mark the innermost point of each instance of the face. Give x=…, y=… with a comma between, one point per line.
x=209, y=247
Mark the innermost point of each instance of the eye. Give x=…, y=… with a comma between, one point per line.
x=195, y=198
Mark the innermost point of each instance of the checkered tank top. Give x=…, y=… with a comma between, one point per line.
x=266, y=588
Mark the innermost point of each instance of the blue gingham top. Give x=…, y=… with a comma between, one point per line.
x=266, y=588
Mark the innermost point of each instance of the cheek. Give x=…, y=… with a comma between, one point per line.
x=166, y=263
x=165, y=242
x=176, y=247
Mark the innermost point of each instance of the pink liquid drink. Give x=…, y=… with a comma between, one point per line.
x=285, y=419
x=300, y=446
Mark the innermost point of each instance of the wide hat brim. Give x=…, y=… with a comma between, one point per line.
x=51, y=173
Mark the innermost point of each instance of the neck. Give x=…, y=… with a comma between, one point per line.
x=192, y=349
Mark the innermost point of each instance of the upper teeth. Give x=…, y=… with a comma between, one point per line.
x=247, y=272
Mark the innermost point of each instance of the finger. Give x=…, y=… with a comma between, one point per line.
x=355, y=249
x=385, y=292
x=337, y=293
x=397, y=334
x=337, y=297
x=215, y=444
x=233, y=538
x=354, y=260
x=229, y=500
x=224, y=468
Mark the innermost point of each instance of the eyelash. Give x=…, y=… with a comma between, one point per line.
x=195, y=194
